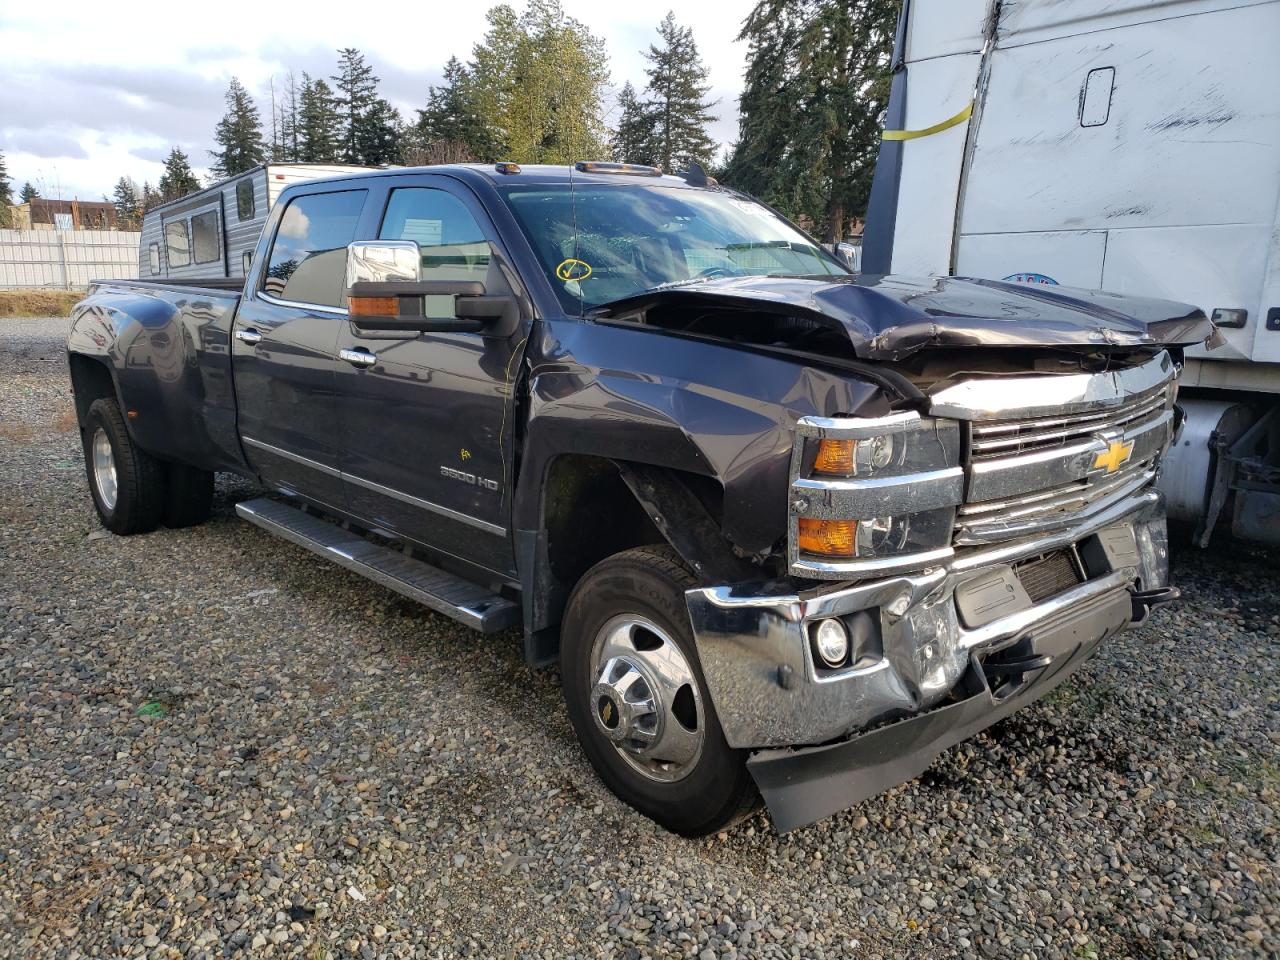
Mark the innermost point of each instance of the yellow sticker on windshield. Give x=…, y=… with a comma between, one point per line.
x=573, y=269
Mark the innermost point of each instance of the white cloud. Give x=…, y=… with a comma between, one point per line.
x=295, y=223
x=109, y=87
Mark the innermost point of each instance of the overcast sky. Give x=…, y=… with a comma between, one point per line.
x=92, y=90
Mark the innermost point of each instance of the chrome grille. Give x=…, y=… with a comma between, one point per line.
x=1005, y=437
x=1042, y=472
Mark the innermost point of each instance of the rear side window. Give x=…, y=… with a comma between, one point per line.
x=452, y=244
x=308, y=257
x=204, y=237
x=155, y=259
x=244, y=200
x=177, y=245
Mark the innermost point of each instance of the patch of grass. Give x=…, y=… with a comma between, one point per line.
x=18, y=432
x=38, y=303
x=66, y=422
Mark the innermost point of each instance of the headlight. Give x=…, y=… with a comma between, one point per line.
x=873, y=493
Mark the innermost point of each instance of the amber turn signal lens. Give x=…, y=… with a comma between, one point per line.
x=829, y=538
x=835, y=456
x=374, y=306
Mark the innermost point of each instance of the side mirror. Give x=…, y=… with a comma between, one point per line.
x=850, y=254
x=385, y=292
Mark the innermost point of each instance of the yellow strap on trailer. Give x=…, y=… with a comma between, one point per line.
x=947, y=124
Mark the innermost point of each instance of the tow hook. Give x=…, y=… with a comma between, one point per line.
x=1145, y=600
x=1006, y=675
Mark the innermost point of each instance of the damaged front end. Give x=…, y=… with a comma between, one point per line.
x=971, y=553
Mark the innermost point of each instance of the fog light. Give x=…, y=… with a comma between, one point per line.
x=832, y=642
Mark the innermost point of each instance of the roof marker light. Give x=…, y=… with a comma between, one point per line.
x=506, y=167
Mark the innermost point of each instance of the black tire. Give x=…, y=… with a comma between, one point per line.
x=650, y=582
x=188, y=495
x=139, y=494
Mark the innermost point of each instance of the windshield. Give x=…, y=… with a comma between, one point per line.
x=607, y=241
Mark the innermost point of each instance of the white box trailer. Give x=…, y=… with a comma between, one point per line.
x=1118, y=145
x=212, y=233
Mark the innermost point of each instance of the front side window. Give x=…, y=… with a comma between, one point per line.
x=244, y=200
x=604, y=242
x=308, y=258
x=177, y=245
x=452, y=244
x=204, y=237
x=155, y=259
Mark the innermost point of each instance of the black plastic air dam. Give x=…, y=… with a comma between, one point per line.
x=803, y=786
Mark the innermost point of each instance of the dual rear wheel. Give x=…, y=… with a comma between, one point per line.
x=132, y=490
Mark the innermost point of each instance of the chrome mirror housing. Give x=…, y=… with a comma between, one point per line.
x=383, y=261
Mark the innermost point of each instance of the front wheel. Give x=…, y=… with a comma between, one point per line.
x=637, y=698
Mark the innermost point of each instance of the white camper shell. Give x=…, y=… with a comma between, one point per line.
x=212, y=233
x=1123, y=145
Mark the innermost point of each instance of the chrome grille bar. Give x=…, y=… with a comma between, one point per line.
x=1017, y=436
x=1032, y=469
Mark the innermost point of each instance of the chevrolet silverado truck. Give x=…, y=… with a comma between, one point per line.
x=789, y=531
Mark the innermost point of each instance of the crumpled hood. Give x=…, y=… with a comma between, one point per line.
x=889, y=317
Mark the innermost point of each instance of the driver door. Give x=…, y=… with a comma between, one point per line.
x=426, y=418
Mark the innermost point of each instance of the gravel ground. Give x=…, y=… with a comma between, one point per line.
x=215, y=744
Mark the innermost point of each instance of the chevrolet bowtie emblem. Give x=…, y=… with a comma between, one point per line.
x=1114, y=457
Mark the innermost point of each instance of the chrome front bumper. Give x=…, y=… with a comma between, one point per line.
x=755, y=652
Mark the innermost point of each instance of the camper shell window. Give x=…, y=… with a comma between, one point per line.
x=244, y=200
x=177, y=245
x=155, y=259
x=204, y=236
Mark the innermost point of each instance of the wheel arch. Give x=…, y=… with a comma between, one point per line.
x=590, y=507
x=93, y=379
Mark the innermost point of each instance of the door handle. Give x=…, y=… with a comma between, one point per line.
x=249, y=336
x=359, y=357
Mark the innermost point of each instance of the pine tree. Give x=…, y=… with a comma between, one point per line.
x=450, y=129
x=239, y=134
x=812, y=107
x=150, y=198
x=633, y=140
x=318, y=122
x=289, y=135
x=128, y=202
x=29, y=193
x=677, y=99
x=378, y=134
x=357, y=95
x=177, y=179
x=6, y=193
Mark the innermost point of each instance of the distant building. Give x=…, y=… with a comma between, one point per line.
x=78, y=214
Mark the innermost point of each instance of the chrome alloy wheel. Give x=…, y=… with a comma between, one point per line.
x=104, y=469
x=645, y=700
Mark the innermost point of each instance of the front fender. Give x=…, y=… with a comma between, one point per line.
x=703, y=408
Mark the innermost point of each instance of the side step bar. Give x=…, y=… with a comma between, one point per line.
x=432, y=587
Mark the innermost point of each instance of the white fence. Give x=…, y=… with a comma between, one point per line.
x=68, y=259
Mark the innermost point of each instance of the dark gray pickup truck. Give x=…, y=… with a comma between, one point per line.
x=789, y=531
